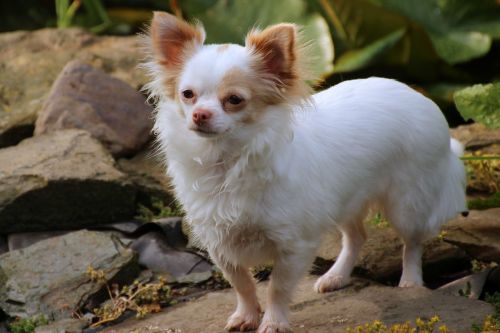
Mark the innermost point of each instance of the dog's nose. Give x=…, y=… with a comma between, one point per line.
x=201, y=116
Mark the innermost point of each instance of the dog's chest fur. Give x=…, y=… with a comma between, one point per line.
x=224, y=199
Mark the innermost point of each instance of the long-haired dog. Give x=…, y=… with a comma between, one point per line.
x=264, y=168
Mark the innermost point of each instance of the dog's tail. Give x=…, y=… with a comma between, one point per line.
x=457, y=147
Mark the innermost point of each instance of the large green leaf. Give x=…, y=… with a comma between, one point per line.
x=457, y=47
x=360, y=58
x=228, y=21
x=481, y=102
x=459, y=29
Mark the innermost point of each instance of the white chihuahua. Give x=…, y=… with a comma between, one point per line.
x=264, y=169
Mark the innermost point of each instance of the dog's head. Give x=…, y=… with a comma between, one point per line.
x=221, y=88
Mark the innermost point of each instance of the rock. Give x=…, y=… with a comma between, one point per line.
x=30, y=62
x=469, y=286
x=14, y=135
x=173, y=228
x=155, y=254
x=478, y=137
x=68, y=325
x=148, y=174
x=4, y=245
x=478, y=234
x=20, y=240
x=325, y=313
x=381, y=256
x=62, y=180
x=87, y=98
x=50, y=277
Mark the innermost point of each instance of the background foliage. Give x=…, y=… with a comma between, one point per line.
x=447, y=49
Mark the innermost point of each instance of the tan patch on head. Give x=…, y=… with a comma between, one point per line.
x=174, y=41
x=223, y=47
x=234, y=82
x=257, y=93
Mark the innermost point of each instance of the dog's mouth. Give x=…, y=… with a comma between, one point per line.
x=204, y=132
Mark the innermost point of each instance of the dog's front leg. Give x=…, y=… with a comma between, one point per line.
x=287, y=271
x=247, y=314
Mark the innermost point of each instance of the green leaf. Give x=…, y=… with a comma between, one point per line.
x=481, y=103
x=460, y=30
x=357, y=59
x=316, y=29
x=230, y=21
x=457, y=47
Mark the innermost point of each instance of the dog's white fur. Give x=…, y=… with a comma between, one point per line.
x=268, y=190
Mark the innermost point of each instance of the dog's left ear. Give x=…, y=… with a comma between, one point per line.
x=174, y=39
x=276, y=48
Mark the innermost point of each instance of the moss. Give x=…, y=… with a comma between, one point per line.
x=482, y=204
x=158, y=210
x=27, y=325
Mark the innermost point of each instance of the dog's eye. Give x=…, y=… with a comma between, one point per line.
x=235, y=100
x=188, y=94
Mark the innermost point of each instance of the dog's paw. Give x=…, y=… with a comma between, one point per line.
x=243, y=322
x=409, y=284
x=329, y=282
x=268, y=326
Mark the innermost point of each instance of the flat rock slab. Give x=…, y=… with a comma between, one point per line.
x=31, y=60
x=478, y=137
x=50, y=277
x=87, y=98
x=478, y=234
x=324, y=313
x=61, y=180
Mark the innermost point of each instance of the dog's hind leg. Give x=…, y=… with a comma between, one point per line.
x=412, y=264
x=338, y=276
x=246, y=317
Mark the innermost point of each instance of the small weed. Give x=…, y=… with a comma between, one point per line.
x=479, y=266
x=491, y=324
x=421, y=326
x=139, y=297
x=158, y=210
x=482, y=171
x=467, y=291
x=442, y=235
x=27, y=325
x=218, y=281
x=379, y=221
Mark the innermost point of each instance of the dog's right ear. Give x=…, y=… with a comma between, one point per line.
x=174, y=40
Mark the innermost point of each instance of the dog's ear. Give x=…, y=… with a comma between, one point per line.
x=174, y=40
x=276, y=47
x=282, y=61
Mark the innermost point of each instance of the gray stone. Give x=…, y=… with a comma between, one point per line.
x=325, y=313
x=30, y=62
x=469, y=286
x=63, y=326
x=20, y=240
x=156, y=254
x=148, y=174
x=477, y=234
x=62, y=180
x=50, y=277
x=87, y=98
